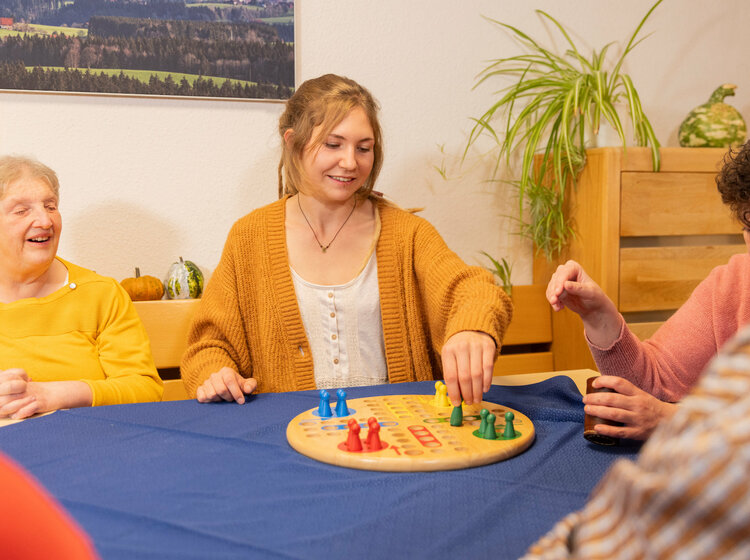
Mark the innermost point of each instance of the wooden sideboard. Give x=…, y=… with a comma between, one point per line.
x=646, y=238
x=527, y=343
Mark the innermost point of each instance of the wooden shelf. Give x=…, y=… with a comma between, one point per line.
x=647, y=238
x=526, y=345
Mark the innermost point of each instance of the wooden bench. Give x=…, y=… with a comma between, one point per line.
x=167, y=323
x=526, y=348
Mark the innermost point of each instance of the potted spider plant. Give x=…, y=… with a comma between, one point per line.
x=544, y=116
x=502, y=270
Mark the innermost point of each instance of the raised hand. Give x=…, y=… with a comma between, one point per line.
x=571, y=287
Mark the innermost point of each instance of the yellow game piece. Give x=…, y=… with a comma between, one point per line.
x=441, y=395
x=415, y=435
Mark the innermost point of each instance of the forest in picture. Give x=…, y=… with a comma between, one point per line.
x=207, y=48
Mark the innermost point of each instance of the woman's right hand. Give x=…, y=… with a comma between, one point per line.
x=225, y=385
x=637, y=411
x=571, y=287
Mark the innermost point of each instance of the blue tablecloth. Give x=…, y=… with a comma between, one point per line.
x=186, y=480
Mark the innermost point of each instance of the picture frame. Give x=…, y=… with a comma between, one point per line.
x=219, y=49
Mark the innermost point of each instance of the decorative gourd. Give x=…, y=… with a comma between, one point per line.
x=714, y=124
x=143, y=288
x=184, y=281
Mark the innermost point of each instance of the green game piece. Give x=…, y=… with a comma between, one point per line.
x=510, y=431
x=489, y=429
x=483, y=413
x=457, y=416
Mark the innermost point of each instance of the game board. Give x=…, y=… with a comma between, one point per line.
x=415, y=434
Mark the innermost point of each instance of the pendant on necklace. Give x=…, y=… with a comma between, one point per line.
x=324, y=248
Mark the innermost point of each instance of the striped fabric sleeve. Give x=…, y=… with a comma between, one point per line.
x=688, y=494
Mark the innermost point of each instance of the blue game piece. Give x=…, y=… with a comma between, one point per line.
x=341, y=408
x=324, y=409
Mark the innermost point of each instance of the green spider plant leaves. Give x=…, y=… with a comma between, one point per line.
x=543, y=115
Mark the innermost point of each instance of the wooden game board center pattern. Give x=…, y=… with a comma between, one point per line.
x=416, y=435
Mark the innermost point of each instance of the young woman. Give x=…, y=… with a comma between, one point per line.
x=331, y=286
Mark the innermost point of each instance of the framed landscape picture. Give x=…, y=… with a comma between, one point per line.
x=216, y=48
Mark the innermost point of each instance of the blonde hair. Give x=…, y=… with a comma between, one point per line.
x=323, y=102
x=13, y=168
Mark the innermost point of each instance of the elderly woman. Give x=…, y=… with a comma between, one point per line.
x=648, y=376
x=68, y=337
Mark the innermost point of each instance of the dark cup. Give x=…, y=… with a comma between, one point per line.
x=590, y=421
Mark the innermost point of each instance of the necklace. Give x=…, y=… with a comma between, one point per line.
x=324, y=248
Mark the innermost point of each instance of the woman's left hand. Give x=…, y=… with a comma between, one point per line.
x=639, y=412
x=17, y=398
x=20, y=397
x=468, y=360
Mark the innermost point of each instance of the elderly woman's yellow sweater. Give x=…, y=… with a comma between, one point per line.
x=86, y=331
x=249, y=319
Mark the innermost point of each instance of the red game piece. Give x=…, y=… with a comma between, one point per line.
x=373, y=435
x=353, y=443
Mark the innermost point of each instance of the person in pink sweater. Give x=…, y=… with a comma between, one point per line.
x=649, y=376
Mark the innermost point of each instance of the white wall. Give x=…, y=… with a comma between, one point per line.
x=147, y=180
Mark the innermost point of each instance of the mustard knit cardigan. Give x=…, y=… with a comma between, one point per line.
x=249, y=320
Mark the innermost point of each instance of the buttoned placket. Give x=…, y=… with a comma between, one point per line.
x=333, y=331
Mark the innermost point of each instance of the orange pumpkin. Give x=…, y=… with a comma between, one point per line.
x=143, y=288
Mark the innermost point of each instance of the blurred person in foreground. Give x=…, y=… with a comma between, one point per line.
x=688, y=493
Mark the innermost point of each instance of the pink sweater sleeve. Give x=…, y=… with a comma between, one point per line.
x=669, y=364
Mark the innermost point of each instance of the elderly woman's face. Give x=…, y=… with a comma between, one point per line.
x=30, y=226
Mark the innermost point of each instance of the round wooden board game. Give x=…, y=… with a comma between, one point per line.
x=415, y=434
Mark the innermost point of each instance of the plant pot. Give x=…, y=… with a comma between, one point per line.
x=607, y=136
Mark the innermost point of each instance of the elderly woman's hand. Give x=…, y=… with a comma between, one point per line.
x=17, y=398
x=20, y=397
x=468, y=360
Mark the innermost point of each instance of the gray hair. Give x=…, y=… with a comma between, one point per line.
x=13, y=168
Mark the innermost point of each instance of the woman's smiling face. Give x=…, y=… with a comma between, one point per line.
x=336, y=169
x=30, y=226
